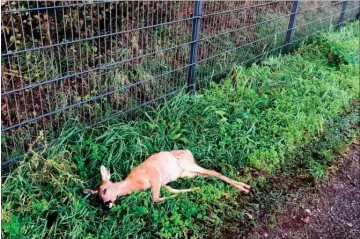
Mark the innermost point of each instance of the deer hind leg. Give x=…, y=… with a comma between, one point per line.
x=184, y=174
x=176, y=191
x=206, y=172
x=188, y=174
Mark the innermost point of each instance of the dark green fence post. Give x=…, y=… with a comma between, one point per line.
x=342, y=14
x=291, y=27
x=194, y=45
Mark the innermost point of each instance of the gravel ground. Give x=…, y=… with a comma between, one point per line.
x=330, y=210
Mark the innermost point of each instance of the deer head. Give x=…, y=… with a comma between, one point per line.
x=107, y=191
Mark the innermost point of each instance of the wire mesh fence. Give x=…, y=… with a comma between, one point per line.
x=96, y=60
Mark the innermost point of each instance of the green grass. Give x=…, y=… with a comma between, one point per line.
x=261, y=119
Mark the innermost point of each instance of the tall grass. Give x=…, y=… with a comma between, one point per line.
x=260, y=118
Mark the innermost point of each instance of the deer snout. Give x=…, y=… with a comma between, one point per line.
x=108, y=204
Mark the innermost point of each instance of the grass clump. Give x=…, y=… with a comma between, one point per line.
x=263, y=117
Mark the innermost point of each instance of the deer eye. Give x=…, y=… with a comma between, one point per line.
x=104, y=192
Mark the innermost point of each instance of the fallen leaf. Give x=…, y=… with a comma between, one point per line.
x=226, y=196
x=305, y=220
x=250, y=216
x=355, y=157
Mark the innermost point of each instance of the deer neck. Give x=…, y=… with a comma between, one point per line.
x=123, y=187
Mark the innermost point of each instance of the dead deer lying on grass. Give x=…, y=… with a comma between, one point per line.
x=159, y=169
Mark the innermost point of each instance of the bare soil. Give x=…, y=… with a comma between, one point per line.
x=328, y=210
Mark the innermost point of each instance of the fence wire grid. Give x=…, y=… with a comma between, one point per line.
x=97, y=60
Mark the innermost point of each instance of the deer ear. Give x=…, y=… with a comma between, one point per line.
x=105, y=174
x=89, y=191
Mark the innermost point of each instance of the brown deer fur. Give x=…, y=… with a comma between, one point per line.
x=157, y=170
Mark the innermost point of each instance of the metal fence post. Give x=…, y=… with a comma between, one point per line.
x=291, y=27
x=194, y=45
x=342, y=14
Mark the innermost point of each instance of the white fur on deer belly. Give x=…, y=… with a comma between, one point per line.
x=170, y=170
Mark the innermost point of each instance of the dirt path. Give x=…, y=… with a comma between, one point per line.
x=330, y=210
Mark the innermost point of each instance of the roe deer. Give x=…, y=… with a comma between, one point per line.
x=159, y=169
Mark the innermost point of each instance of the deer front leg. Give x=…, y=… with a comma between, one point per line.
x=156, y=194
x=155, y=188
